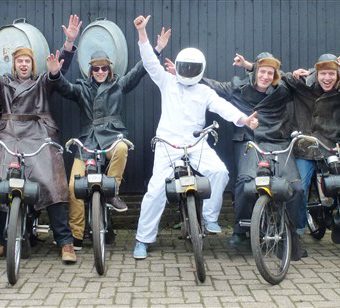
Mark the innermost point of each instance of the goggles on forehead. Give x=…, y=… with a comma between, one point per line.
x=96, y=69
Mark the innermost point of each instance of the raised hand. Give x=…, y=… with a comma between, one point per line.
x=252, y=121
x=163, y=39
x=141, y=22
x=239, y=60
x=53, y=64
x=300, y=73
x=170, y=66
x=72, y=31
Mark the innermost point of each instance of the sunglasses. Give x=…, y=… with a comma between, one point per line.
x=98, y=68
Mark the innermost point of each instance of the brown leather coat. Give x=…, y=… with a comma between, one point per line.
x=24, y=125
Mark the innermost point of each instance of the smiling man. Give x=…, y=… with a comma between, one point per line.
x=264, y=92
x=101, y=99
x=316, y=113
x=25, y=123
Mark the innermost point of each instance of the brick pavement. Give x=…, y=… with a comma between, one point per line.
x=167, y=277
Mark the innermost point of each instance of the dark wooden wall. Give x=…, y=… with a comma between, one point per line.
x=295, y=31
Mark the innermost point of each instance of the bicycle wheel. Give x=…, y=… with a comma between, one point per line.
x=196, y=237
x=271, y=241
x=14, y=240
x=184, y=222
x=98, y=233
x=316, y=224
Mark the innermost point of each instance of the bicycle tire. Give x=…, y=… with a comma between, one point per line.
x=14, y=241
x=184, y=222
x=196, y=237
x=271, y=250
x=98, y=233
x=317, y=227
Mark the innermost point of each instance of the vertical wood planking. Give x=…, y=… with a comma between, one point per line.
x=297, y=32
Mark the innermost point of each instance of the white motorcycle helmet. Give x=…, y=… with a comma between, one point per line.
x=190, y=65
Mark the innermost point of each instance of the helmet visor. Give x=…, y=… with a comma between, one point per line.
x=189, y=69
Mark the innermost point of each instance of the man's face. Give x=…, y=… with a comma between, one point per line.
x=23, y=67
x=264, y=78
x=327, y=79
x=100, y=73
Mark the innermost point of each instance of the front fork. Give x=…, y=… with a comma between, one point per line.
x=184, y=213
x=88, y=213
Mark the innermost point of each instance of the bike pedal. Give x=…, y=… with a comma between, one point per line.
x=41, y=229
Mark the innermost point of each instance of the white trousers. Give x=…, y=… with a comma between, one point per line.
x=153, y=204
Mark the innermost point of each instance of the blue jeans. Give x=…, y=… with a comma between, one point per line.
x=58, y=217
x=57, y=213
x=306, y=170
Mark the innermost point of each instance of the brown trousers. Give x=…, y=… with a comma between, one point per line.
x=116, y=167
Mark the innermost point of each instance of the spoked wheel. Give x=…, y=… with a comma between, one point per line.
x=316, y=224
x=271, y=241
x=98, y=233
x=196, y=236
x=14, y=239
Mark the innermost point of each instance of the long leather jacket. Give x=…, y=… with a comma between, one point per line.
x=100, y=105
x=25, y=123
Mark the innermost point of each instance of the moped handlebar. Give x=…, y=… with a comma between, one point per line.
x=96, y=151
x=202, y=133
x=296, y=136
x=47, y=142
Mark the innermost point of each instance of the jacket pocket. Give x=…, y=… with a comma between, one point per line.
x=51, y=125
x=118, y=125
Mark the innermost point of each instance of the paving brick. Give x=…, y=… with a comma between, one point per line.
x=168, y=278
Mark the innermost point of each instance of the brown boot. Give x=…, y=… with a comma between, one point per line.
x=67, y=254
x=118, y=204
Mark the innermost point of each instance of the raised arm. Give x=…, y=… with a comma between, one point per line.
x=150, y=60
x=68, y=50
x=240, y=61
x=71, y=32
x=133, y=77
x=56, y=81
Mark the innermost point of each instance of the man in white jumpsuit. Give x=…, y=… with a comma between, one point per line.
x=184, y=105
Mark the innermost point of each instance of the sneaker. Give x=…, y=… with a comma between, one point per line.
x=118, y=204
x=238, y=239
x=77, y=244
x=213, y=227
x=2, y=251
x=67, y=254
x=140, y=251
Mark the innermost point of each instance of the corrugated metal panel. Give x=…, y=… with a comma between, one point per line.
x=295, y=31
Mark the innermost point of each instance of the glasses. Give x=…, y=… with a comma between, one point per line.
x=96, y=69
